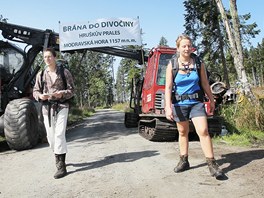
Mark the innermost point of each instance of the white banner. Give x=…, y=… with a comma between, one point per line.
x=100, y=33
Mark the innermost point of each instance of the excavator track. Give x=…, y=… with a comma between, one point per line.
x=157, y=130
x=161, y=130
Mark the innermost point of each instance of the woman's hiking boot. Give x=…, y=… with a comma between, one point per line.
x=214, y=169
x=183, y=164
x=61, y=166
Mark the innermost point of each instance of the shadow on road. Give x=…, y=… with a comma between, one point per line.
x=236, y=160
x=111, y=159
x=240, y=159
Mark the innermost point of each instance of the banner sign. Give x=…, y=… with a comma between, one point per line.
x=100, y=33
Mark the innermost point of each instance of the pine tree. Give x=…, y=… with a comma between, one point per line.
x=163, y=41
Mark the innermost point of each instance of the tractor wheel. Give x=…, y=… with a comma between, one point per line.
x=131, y=120
x=21, y=124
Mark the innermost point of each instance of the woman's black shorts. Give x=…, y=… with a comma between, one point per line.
x=186, y=112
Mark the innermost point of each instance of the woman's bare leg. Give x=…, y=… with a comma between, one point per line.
x=201, y=127
x=183, y=129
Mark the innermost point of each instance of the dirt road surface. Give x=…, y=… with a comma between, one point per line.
x=107, y=160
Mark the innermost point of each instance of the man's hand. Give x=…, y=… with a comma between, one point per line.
x=57, y=94
x=44, y=96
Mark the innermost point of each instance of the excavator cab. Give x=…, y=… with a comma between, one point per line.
x=154, y=84
x=11, y=61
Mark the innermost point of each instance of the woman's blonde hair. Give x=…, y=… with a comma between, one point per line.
x=180, y=38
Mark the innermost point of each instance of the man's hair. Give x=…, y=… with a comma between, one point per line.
x=51, y=50
x=181, y=37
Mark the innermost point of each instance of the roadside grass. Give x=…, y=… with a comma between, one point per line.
x=245, y=124
x=77, y=114
x=245, y=138
x=124, y=107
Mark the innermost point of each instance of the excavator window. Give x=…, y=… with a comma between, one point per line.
x=10, y=62
x=163, y=62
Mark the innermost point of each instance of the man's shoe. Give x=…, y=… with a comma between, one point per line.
x=61, y=166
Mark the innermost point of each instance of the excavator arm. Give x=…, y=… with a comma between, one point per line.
x=30, y=36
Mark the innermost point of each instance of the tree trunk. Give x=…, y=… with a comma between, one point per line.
x=80, y=100
x=235, y=45
x=222, y=55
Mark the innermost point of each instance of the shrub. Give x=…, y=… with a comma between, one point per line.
x=244, y=115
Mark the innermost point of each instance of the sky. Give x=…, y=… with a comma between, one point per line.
x=157, y=17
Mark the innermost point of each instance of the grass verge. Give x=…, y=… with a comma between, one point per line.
x=245, y=138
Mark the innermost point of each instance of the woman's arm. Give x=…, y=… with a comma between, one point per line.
x=206, y=87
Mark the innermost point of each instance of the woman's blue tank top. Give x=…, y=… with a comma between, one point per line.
x=187, y=84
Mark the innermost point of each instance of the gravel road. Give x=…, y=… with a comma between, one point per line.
x=107, y=160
